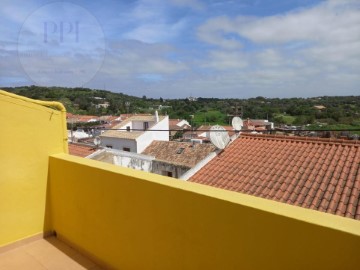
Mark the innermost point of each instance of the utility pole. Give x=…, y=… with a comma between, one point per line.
x=236, y=112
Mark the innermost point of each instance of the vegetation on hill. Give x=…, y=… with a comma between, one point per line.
x=337, y=111
x=81, y=100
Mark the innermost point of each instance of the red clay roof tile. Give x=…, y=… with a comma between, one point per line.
x=81, y=150
x=179, y=153
x=321, y=174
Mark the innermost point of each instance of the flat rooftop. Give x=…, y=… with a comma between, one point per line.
x=133, y=134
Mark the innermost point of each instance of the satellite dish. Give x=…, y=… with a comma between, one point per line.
x=219, y=136
x=237, y=123
x=97, y=141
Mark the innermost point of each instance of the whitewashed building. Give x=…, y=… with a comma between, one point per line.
x=136, y=133
x=174, y=159
x=124, y=159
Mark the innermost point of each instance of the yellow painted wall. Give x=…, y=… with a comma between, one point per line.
x=30, y=132
x=133, y=220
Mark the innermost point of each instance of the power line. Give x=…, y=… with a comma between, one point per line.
x=209, y=130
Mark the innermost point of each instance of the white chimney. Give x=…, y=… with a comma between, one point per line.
x=156, y=116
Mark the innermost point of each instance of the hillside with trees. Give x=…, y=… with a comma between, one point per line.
x=341, y=112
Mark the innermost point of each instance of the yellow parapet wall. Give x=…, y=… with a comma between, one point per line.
x=30, y=132
x=129, y=219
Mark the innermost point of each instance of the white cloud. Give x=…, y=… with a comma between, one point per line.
x=307, y=51
x=151, y=21
x=342, y=54
x=226, y=60
x=130, y=58
x=270, y=58
x=155, y=32
x=14, y=13
x=333, y=21
x=148, y=10
x=213, y=32
x=322, y=24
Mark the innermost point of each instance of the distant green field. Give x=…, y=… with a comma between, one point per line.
x=356, y=128
x=287, y=119
x=210, y=118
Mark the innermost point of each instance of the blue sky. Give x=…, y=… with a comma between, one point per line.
x=178, y=48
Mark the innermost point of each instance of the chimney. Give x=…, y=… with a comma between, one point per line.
x=156, y=116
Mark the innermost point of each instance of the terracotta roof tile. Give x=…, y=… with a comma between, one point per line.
x=179, y=153
x=316, y=173
x=81, y=150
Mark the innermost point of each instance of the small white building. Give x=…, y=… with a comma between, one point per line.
x=104, y=105
x=258, y=125
x=136, y=133
x=174, y=159
x=124, y=159
x=74, y=136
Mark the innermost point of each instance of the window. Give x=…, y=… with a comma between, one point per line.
x=127, y=149
x=146, y=125
x=167, y=173
x=180, y=150
x=128, y=128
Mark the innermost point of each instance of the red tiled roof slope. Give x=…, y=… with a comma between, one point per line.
x=320, y=174
x=81, y=150
x=189, y=156
x=174, y=122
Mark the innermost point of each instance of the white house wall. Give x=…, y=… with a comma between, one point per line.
x=130, y=125
x=160, y=167
x=124, y=159
x=119, y=144
x=140, y=124
x=146, y=139
x=134, y=163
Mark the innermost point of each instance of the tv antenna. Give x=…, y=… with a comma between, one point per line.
x=127, y=105
x=219, y=136
x=237, y=110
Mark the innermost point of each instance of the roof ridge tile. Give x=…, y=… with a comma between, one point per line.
x=302, y=139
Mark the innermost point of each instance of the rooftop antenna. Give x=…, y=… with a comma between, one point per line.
x=241, y=113
x=219, y=136
x=127, y=105
x=236, y=111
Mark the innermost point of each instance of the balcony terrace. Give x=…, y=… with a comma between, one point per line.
x=120, y=218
